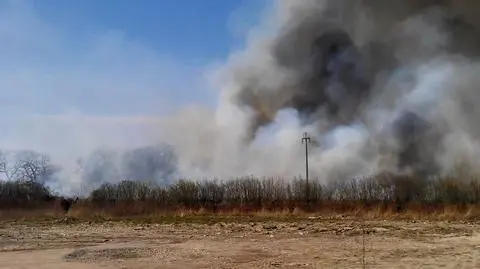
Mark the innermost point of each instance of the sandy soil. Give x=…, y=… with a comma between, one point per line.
x=313, y=243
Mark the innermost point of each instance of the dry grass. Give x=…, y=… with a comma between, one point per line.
x=139, y=212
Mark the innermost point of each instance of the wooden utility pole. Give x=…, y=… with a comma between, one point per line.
x=305, y=140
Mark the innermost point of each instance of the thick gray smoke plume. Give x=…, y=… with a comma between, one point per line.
x=380, y=85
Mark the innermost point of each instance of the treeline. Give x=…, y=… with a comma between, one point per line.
x=24, y=174
x=249, y=194
x=24, y=194
x=252, y=194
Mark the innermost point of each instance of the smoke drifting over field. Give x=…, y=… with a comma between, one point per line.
x=380, y=86
x=154, y=164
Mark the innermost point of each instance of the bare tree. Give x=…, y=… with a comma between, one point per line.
x=33, y=167
x=23, y=176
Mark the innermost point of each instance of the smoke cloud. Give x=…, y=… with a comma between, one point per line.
x=381, y=86
x=153, y=164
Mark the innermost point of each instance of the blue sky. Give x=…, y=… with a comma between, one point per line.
x=194, y=32
x=76, y=75
x=114, y=57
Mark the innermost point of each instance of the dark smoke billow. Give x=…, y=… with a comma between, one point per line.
x=335, y=74
x=344, y=64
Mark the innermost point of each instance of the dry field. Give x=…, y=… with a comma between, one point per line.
x=254, y=243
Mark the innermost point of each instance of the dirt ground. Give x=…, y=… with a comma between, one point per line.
x=312, y=243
